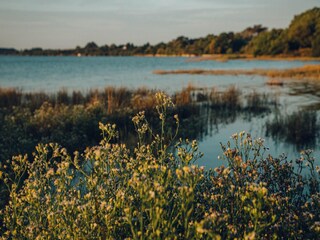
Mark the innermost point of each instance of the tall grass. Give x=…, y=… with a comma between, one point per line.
x=305, y=72
x=71, y=118
x=10, y=97
x=301, y=128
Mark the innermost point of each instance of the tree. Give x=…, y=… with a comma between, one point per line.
x=268, y=43
x=316, y=46
x=304, y=28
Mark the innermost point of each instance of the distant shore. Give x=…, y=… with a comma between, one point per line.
x=196, y=58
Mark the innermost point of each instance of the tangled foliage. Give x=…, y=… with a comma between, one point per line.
x=156, y=191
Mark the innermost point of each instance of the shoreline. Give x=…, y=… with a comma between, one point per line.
x=195, y=58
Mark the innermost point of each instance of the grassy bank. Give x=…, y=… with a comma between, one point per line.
x=154, y=191
x=310, y=72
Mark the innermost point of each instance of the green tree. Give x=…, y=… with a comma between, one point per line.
x=304, y=28
x=223, y=42
x=316, y=46
x=268, y=43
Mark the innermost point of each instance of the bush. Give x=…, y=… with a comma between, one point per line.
x=156, y=192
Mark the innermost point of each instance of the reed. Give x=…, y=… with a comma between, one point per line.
x=228, y=99
x=39, y=117
x=184, y=97
x=300, y=128
x=143, y=99
x=77, y=98
x=310, y=72
x=62, y=97
x=10, y=97
x=274, y=82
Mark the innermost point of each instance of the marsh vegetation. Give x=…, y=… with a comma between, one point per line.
x=308, y=72
x=71, y=119
x=155, y=191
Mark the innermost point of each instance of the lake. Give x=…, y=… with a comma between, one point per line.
x=50, y=74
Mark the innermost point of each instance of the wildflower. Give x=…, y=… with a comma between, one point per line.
x=241, y=134
x=238, y=159
x=179, y=173
x=176, y=117
x=226, y=171
x=50, y=173
x=200, y=229
x=194, y=145
x=234, y=136
x=152, y=194
x=260, y=141
x=186, y=169
x=103, y=204
x=87, y=196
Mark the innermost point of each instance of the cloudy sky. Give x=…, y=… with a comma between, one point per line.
x=68, y=23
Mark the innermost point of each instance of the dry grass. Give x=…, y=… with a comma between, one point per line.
x=275, y=82
x=9, y=96
x=202, y=72
x=250, y=57
x=310, y=72
x=305, y=72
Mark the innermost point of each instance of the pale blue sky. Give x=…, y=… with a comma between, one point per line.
x=68, y=23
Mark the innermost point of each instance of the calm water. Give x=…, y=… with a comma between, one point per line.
x=50, y=74
x=53, y=73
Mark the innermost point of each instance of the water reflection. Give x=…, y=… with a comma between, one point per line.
x=299, y=128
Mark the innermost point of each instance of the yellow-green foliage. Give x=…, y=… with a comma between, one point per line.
x=156, y=192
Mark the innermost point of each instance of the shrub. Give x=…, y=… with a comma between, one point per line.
x=157, y=192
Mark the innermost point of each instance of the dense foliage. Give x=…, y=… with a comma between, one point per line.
x=300, y=38
x=156, y=192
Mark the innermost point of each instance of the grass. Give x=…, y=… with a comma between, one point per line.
x=301, y=127
x=250, y=57
x=275, y=82
x=309, y=72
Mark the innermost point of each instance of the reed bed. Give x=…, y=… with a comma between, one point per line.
x=301, y=128
x=275, y=82
x=71, y=118
x=309, y=72
x=250, y=57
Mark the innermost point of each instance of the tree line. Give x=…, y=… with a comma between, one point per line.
x=300, y=38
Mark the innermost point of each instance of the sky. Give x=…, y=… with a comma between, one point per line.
x=70, y=23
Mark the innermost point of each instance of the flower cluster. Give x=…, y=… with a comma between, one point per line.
x=155, y=191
